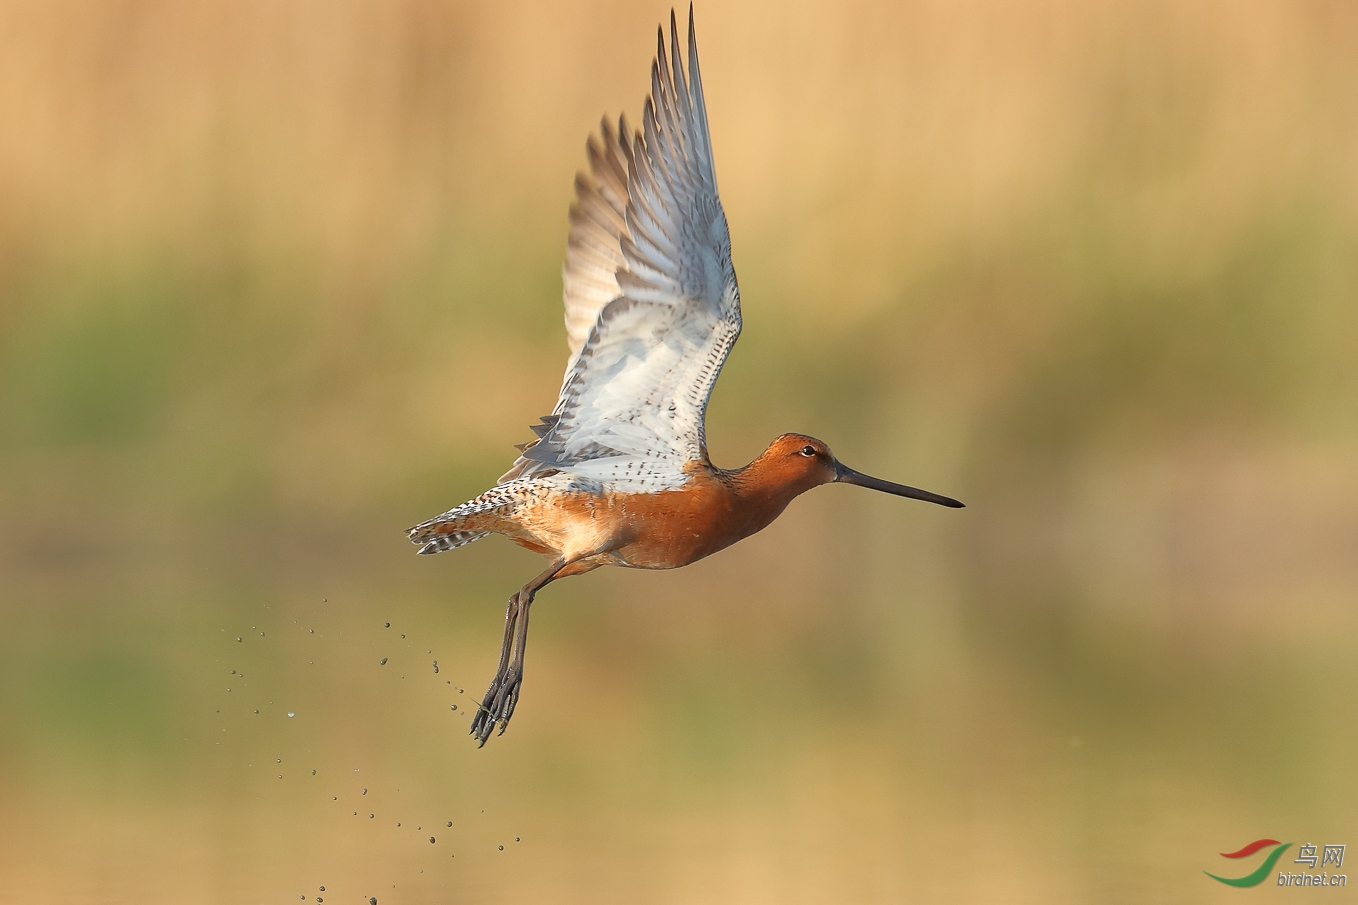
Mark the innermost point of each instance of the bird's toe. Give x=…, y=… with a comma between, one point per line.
x=487, y=713
x=506, y=696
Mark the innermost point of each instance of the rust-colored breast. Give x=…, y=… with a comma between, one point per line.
x=676, y=527
x=663, y=530
x=710, y=513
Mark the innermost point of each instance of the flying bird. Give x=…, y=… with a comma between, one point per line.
x=618, y=474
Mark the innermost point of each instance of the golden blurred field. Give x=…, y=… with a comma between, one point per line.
x=278, y=280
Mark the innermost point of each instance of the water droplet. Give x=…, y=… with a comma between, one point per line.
x=372, y=900
x=365, y=791
x=335, y=798
x=322, y=889
x=459, y=691
x=233, y=672
x=371, y=816
x=454, y=706
x=313, y=772
x=238, y=637
x=261, y=634
x=382, y=662
x=280, y=775
x=386, y=625
x=398, y=823
x=502, y=848
x=278, y=760
x=256, y=711
x=403, y=636
x=516, y=839
x=228, y=689
x=431, y=840
x=291, y=714
x=311, y=630
x=319, y=899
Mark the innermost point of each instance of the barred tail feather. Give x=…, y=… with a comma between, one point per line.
x=469, y=522
x=441, y=543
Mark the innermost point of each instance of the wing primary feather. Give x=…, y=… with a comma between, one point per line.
x=657, y=143
x=612, y=172
x=662, y=87
x=627, y=136
x=680, y=82
x=608, y=182
x=695, y=83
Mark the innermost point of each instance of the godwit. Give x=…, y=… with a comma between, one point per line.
x=619, y=473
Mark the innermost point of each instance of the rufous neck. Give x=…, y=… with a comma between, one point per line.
x=761, y=490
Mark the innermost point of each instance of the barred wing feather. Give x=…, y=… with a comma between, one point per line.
x=648, y=267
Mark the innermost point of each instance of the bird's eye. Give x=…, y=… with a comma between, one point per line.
x=809, y=451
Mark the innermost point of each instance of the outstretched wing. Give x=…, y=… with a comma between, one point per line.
x=648, y=268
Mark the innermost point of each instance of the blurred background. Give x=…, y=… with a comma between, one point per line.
x=279, y=280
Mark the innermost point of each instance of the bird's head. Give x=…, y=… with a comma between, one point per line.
x=801, y=462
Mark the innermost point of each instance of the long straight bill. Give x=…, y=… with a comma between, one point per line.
x=846, y=475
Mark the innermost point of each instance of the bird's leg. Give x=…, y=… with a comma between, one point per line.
x=503, y=694
x=509, y=689
x=484, y=722
x=511, y=617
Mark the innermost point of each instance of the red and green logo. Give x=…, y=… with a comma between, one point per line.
x=1262, y=871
